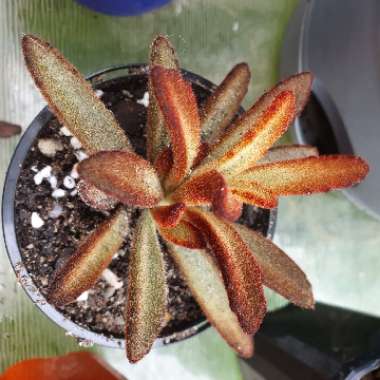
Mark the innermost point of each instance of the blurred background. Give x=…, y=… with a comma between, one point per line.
x=334, y=241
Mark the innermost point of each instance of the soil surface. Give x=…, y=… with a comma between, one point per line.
x=51, y=219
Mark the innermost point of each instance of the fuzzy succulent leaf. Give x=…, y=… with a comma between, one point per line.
x=162, y=54
x=252, y=193
x=280, y=272
x=183, y=234
x=288, y=152
x=223, y=104
x=205, y=281
x=241, y=273
x=249, y=140
x=71, y=98
x=146, y=294
x=299, y=84
x=124, y=176
x=85, y=266
x=210, y=188
x=307, y=175
x=179, y=108
x=168, y=216
x=163, y=163
x=94, y=197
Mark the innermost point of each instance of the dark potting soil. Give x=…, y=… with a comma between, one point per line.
x=61, y=220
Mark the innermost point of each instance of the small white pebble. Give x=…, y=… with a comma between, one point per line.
x=112, y=279
x=80, y=155
x=83, y=297
x=65, y=131
x=75, y=143
x=144, y=100
x=42, y=174
x=53, y=181
x=36, y=220
x=74, y=172
x=56, y=211
x=74, y=192
x=235, y=26
x=69, y=182
x=49, y=147
x=58, y=193
x=99, y=93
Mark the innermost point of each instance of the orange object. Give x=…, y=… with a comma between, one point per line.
x=74, y=366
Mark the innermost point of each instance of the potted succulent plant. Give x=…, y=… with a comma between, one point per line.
x=178, y=199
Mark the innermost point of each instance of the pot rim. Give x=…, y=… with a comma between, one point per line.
x=84, y=335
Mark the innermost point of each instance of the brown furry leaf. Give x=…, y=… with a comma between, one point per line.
x=179, y=108
x=71, y=98
x=163, y=163
x=280, y=272
x=308, y=175
x=94, y=197
x=241, y=273
x=288, y=152
x=183, y=234
x=86, y=265
x=250, y=138
x=146, y=296
x=252, y=193
x=209, y=188
x=223, y=104
x=124, y=176
x=162, y=54
x=168, y=216
x=204, y=279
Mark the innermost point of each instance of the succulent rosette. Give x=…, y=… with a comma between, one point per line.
x=202, y=165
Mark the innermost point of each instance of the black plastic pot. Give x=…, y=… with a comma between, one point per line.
x=8, y=216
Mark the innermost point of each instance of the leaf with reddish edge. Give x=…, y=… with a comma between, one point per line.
x=72, y=99
x=164, y=160
x=280, y=272
x=241, y=273
x=183, y=234
x=223, y=104
x=204, y=149
x=209, y=188
x=147, y=290
x=252, y=193
x=84, y=267
x=162, y=54
x=124, y=176
x=168, y=216
x=288, y=152
x=248, y=140
x=298, y=84
x=205, y=281
x=163, y=163
x=179, y=108
x=308, y=175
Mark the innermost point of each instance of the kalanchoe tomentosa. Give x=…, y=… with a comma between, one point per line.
x=201, y=166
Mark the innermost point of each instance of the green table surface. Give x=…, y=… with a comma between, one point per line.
x=334, y=242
